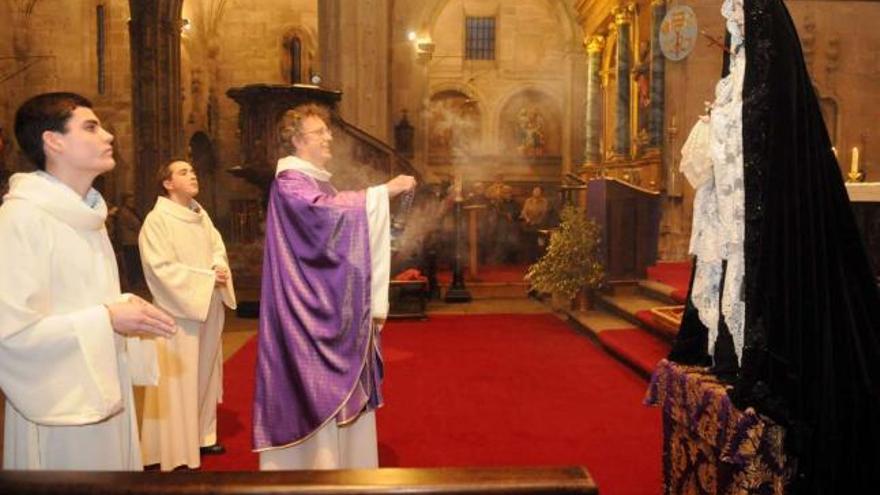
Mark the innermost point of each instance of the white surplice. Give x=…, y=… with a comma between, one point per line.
x=179, y=248
x=355, y=445
x=64, y=371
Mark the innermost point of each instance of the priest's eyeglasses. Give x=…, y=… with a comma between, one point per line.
x=323, y=131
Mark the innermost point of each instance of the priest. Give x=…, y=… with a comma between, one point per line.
x=324, y=298
x=66, y=366
x=187, y=271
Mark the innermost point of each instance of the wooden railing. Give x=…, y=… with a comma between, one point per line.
x=459, y=481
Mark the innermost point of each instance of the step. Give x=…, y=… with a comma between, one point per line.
x=660, y=291
x=675, y=274
x=639, y=349
x=634, y=347
x=636, y=308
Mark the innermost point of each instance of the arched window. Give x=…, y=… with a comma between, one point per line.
x=294, y=47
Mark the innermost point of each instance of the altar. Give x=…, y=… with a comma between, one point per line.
x=865, y=200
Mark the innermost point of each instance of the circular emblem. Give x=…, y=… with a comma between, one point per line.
x=678, y=32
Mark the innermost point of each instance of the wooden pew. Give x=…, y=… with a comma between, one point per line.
x=459, y=481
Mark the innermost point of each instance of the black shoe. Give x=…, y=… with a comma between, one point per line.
x=215, y=449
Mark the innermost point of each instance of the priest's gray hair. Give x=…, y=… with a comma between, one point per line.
x=290, y=125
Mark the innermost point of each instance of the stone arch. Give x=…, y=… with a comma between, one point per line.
x=529, y=122
x=454, y=122
x=830, y=109
x=307, y=49
x=203, y=155
x=561, y=9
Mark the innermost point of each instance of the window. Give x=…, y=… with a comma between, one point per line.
x=295, y=48
x=479, y=38
x=100, y=48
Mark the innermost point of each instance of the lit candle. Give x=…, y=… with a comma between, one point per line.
x=854, y=167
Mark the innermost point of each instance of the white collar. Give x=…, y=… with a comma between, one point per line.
x=296, y=163
x=191, y=213
x=58, y=199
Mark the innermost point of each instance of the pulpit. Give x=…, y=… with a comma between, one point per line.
x=629, y=218
x=359, y=155
x=865, y=200
x=261, y=108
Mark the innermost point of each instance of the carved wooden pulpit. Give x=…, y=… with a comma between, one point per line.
x=629, y=220
x=261, y=108
x=369, y=160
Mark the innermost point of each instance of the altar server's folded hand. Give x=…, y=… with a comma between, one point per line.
x=400, y=184
x=221, y=275
x=138, y=317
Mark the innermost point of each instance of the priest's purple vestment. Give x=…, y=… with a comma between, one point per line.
x=318, y=358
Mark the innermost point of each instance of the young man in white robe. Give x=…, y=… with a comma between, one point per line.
x=66, y=367
x=187, y=270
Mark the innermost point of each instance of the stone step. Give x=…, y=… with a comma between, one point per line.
x=660, y=291
x=635, y=308
x=632, y=346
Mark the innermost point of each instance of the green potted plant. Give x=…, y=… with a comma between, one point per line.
x=570, y=266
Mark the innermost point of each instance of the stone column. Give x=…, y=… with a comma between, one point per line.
x=355, y=49
x=155, y=85
x=593, y=119
x=658, y=76
x=622, y=124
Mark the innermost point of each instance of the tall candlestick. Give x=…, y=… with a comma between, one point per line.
x=854, y=167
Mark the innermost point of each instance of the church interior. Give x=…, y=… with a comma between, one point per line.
x=532, y=127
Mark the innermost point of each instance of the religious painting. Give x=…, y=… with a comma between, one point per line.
x=453, y=125
x=530, y=126
x=609, y=95
x=642, y=80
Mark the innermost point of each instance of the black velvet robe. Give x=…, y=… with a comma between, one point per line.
x=811, y=360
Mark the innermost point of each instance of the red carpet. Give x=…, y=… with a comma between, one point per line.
x=676, y=274
x=491, y=274
x=648, y=320
x=637, y=347
x=491, y=390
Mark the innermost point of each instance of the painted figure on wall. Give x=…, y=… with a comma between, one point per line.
x=530, y=132
x=642, y=78
x=453, y=124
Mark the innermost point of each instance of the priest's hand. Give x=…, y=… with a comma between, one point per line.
x=138, y=317
x=400, y=184
x=221, y=275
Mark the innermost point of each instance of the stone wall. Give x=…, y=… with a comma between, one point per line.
x=229, y=44
x=842, y=48
x=539, y=51
x=44, y=47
